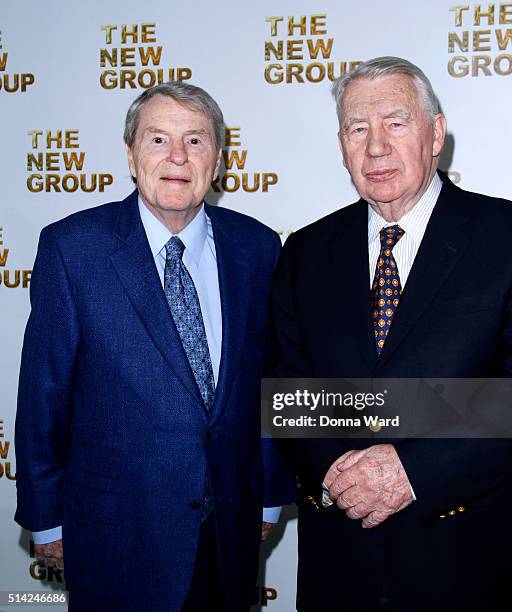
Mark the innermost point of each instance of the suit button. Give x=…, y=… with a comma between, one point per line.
x=452, y=512
x=195, y=505
x=461, y=509
x=207, y=437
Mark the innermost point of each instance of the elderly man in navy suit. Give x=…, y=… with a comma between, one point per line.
x=137, y=433
x=413, y=280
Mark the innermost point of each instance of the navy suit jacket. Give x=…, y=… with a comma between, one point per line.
x=112, y=437
x=454, y=320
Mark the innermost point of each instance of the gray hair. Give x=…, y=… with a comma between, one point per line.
x=184, y=93
x=387, y=66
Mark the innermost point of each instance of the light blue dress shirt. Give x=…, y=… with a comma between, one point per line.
x=200, y=259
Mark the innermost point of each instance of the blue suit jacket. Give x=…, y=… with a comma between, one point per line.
x=111, y=431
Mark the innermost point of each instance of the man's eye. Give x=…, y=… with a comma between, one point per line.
x=396, y=124
x=194, y=141
x=158, y=140
x=359, y=130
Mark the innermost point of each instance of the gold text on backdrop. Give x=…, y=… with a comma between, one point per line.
x=231, y=181
x=144, y=58
x=482, y=41
x=11, y=279
x=59, y=164
x=304, y=49
x=11, y=83
x=6, y=468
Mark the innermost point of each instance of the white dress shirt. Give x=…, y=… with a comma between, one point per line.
x=414, y=223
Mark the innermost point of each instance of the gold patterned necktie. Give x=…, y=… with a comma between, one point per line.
x=386, y=288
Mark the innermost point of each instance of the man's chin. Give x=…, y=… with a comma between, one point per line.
x=174, y=204
x=381, y=196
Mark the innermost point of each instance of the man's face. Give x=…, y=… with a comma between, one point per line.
x=389, y=144
x=173, y=158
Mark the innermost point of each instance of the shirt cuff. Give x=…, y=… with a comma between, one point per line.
x=412, y=491
x=47, y=536
x=271, y=515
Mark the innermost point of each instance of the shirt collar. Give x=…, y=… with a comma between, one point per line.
x=193, y=235
x=415, y=221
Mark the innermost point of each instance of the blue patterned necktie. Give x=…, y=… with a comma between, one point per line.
x=182, y=298
x=386, y=288
x=183, y=301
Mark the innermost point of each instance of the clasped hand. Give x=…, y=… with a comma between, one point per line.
x=369, y=484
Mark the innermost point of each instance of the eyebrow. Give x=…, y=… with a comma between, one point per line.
x=349, y=122
x=398, y=112
x=155, y=130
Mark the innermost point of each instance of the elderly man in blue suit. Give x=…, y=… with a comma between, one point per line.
x=137, y=434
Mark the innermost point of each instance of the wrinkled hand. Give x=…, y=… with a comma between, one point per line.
x=369, y=484
x=50, y=553
x=265, y=530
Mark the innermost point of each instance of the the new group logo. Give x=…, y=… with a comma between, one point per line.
x=236, y=176
x=10, y=279
x=6, y=468
x=130, y=58
x=299, y=50
x=12, y=82
x=481, y=40
x=55, y=164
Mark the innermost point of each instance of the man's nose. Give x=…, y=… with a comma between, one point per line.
x=377, y=142
x=177, y=153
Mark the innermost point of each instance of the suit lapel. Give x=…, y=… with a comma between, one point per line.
x=134, y=264
x=234, y=286
x=350, y=282
x=442, y=245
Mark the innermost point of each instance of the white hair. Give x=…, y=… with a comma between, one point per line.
x=387, y=66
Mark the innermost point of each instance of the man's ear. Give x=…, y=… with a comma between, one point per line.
x=340, y=143
x=131, y=163
x=217, y=164
x=439, y=134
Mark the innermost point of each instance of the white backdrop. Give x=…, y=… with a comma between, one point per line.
x=52, y=80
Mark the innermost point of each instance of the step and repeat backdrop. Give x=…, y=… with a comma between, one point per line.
x=69, y=70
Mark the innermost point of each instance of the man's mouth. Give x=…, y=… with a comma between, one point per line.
x=177, y=180
x=379, y=176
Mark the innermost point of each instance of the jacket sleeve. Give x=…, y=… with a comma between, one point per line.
x=280, y=484
x=48, y=364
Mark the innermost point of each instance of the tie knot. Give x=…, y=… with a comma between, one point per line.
x=174, y=248
x=389, y=236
